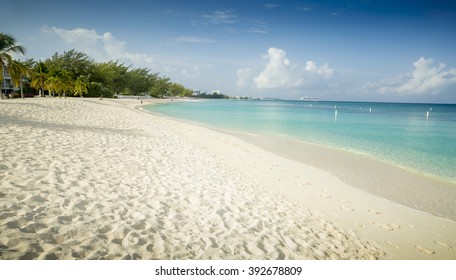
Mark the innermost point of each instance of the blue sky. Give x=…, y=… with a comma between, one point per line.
x=361, y=50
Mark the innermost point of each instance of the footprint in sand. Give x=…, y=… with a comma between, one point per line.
x=104, y=229
x=424, y=250
x=388, y=227
x=392, y=245
x=65, y=219
x=346, y=208
x=440, y=243
x=373, y=212
x=12, y=225
x=325, y=195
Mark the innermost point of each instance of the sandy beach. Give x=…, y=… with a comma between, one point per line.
x=85, y=178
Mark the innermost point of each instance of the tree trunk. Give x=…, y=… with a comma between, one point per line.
x=3, y=82
x=22, y=91
x=1, y=89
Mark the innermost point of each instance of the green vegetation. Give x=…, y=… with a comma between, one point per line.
x=214, y=95
x=75, y=73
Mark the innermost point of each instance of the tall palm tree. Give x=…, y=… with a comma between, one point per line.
x=18, y=70
x=40, y=75
x=59, y=81
x=80, y=86
x=8, y=47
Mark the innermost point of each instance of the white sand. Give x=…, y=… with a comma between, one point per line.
x=100, y=179
x=406, y=187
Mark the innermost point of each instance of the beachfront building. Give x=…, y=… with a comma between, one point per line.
x=7, y=84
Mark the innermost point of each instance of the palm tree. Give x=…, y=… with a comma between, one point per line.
x=59, y=81
x=8, y=47
x=18, y=70
x=40, y=75
x=80, y=86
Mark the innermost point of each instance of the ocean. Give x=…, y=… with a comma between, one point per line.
x=417, y=137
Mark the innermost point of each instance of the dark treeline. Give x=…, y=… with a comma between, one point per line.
x=214, y=95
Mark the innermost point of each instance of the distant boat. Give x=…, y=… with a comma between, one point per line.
x=309, y=98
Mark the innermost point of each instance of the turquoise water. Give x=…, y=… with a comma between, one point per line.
x=402, y=134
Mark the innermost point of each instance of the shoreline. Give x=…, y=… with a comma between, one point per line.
x=407, y=167
x=412, y=201
x=100, y=179
x=391, y=182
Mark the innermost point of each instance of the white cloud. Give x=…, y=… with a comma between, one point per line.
x=82, y=39
x=169, y=69
x=280, y=73
x=244, y=75
x=139, y=59
x=113, y=47
x=228, y=21
x=220, y=17
x=77, y=35
x=323, y=71
x=426, y=78
x=305, y=8
x=194, y=39
x=257, y=30
x=191, y=73
x=271, y=6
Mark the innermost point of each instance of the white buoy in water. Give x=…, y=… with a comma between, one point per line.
x=370, y=110
x=335, y=106
x=430, y=108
